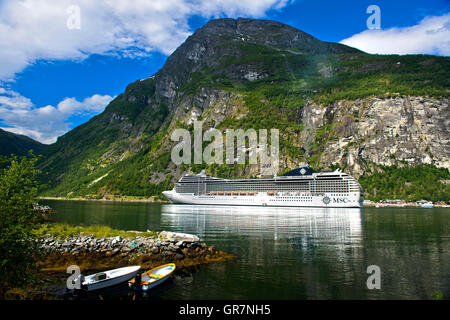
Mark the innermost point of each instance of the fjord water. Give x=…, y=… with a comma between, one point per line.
x=293, y=253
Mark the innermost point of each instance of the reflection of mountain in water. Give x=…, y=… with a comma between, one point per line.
x=338, y=225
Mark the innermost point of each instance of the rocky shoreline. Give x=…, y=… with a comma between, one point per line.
x=96, y=253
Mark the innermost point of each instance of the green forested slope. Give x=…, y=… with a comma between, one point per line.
x=17, y=144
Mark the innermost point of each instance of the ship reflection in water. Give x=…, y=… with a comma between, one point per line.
x=307, y=248
x=318, y=253
x=337, y=228
x=340, y=224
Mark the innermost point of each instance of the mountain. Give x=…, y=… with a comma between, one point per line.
x=18, y=144
x=334, y=105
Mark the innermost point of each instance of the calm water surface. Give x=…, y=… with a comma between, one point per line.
x=293, y=253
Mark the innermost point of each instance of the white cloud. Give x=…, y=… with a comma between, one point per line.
x=234, y=8
x=430, y=36
x=46, y=123
x=37, y=29
x=13, y=100
x=95, y=103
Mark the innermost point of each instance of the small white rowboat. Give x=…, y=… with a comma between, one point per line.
x=154, y=277
x=109, y=278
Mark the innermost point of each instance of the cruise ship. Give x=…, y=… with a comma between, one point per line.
x=300, y=187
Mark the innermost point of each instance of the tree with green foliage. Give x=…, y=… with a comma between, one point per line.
x=18, y=219
x=422, y=182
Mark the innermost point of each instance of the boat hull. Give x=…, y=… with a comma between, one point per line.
x=129, y=273
x=154, y=284
x=148, y=283
x=352, y=200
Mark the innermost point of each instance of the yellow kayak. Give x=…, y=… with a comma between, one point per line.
x=152, y=278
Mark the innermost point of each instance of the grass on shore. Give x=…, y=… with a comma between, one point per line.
x=63, y=231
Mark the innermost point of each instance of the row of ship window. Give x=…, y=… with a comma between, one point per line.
x=289, y=198
x=335, y=190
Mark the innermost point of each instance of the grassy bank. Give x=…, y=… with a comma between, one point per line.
x=62, y=231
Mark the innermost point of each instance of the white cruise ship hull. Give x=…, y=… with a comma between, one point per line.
x=351, y=200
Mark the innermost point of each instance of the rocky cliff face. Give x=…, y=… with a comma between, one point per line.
x=332, y=104
x=384, y=131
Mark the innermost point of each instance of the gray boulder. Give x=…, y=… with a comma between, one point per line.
x=177, y=236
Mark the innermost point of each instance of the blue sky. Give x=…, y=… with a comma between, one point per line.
x=54, y=77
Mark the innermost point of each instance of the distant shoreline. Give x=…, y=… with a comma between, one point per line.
x=407, y=205
x=152, y=200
